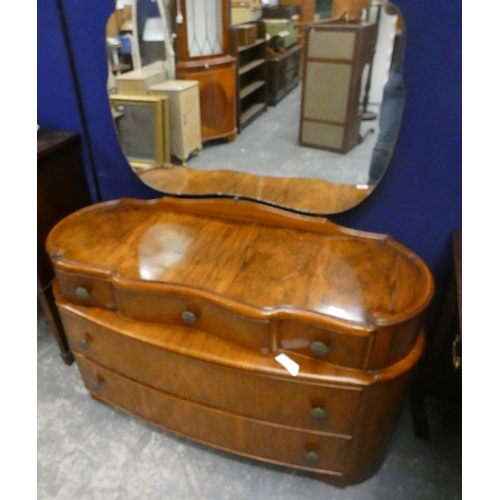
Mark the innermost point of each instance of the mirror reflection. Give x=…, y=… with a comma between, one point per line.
x=296, y=105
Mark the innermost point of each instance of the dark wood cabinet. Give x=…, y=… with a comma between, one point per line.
x=335, y=56
x=61, y=189
x=251, y=81
x=283, y=74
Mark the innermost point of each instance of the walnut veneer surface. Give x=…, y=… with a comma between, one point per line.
x=211, y=291
x=303, y=194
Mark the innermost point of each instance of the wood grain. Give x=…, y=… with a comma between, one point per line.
x=243, y=436
x=150, y=354
x=243, y=280
x=313, y=196
x=176, y=309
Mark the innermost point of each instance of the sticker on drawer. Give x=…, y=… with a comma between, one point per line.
x=289, y=364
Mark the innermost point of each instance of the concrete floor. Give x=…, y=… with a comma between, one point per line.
x=270, y=146
x=87, y=450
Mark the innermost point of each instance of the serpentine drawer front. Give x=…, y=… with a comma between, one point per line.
x=244, y=436
x=213, y=291
x=270, y=395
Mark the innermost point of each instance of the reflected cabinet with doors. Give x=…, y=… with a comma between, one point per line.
x=202, y=30
x=255, y=329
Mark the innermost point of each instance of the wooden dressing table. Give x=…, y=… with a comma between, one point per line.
x=176, y=310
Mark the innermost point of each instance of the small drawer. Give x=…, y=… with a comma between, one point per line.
x=85, y=290
x=224, y=430
x=198, y=314
x=340, y=349
x=316, y=407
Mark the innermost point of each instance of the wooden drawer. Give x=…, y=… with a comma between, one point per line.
x=197, y=314
x=339, y=349
x=86, y=290
x=138, y=81
x=223, y=430
x=318, y=407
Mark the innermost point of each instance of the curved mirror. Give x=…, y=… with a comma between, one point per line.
x=326, y=95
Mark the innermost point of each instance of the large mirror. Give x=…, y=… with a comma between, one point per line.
x=316, y=88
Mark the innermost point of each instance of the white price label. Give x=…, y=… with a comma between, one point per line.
x=289, y=364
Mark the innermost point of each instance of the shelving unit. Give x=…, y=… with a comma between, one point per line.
x=283, y=74
x=251, y=80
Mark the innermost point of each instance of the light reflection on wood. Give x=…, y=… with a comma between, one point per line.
x=306, y=195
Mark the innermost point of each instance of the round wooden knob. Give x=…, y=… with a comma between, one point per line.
x=319, y=348
x=189, y=317
x=94, y=385
x=82, y=293
x=312, y=457
x=318, y=413
x=83, y=344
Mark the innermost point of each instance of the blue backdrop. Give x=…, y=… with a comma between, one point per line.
x=418, y=202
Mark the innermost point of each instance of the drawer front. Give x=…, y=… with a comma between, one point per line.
x=288, y=402
x=223, y=430
x=198, y=314
x=85, y=290
x=340, y=349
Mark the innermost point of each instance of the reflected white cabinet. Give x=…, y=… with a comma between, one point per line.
x=138, y=81
x=185, y=122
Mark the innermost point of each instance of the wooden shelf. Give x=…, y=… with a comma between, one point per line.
x=251, y=81
x=252, y=112
x=249, y=89
x=248, y=67
x=254, y=44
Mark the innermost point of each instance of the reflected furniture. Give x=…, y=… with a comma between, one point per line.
x=335, y=56
x=184, y=115
x=202, y=31
x=61, y=189
x=305, y=8
x=283, y=74
x=276, y=336
x=138, y=81
x=245, y=12
x=144, y=130
x=251, y=86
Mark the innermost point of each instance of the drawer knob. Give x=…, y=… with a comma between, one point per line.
x=82, y=293
x=318, y=413
x=319, y=348
x=94, y=385
x=189, y=317
x=312, y=456
x=83, y=344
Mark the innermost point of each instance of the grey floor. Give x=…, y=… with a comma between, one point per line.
x=270, y=146
x=87, y=450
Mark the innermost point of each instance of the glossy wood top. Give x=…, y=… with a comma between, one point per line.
x=240, y=252
x=314, y=196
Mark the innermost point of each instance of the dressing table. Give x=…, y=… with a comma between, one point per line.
x=272, y=335
x=232, y=313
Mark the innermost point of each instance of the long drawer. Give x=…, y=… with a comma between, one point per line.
x=223, y=430
x=318, y=407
